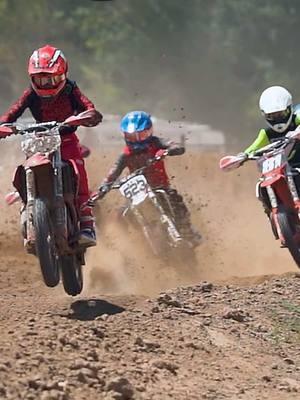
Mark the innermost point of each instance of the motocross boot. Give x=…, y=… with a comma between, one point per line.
x=87, y=237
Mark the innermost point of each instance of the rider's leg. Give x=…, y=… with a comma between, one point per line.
x=87, y=224
x=71, y=150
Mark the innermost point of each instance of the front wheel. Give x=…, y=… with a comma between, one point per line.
x=45, y=244
x=156, y=239
x=288, y=231
x=71, y=270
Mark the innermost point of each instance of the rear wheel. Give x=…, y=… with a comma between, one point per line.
x=289, y=232
x=45, y=244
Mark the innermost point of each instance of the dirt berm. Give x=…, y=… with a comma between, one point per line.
x=225, y=327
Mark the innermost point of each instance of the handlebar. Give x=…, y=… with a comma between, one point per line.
x=19, y=129
x=272, y=146
x=38, y=127
x=229, y=163
x=116, y=185
x=41, y=126
x=85, y=118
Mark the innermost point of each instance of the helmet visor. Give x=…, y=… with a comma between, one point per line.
x=136, y=137
x=47, y=81
x=278, y=117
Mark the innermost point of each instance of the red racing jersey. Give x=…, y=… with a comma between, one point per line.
x=155, y=173
x=70, y=101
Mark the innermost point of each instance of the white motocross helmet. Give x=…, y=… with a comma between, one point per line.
x=276, y=105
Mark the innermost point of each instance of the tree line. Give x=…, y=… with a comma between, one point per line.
x=206, y=61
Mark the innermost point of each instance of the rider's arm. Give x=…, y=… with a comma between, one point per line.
x=17, y=109
x=174, y=149
x=116, y=170
x=297, y=119
x=261, y=141
x=83, y=104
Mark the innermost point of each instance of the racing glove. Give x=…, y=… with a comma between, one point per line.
x=161, y=153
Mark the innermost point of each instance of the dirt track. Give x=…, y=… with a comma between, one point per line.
x=235, y=339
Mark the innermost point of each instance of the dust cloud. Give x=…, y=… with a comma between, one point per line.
x=237, y=239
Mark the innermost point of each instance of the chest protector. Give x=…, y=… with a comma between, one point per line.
x=155, y=173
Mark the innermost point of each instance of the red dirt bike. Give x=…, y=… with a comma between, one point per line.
x=48, y=188
x=276, y=189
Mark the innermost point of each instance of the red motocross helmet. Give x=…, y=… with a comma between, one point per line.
x=48, y=69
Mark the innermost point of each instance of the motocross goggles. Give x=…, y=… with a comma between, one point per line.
x=279, y=117
x=47, y=81
x=138, y=136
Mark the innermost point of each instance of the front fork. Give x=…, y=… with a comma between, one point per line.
x=269, y=209
x=166, y=220
x=31, y=194
x=60, y=212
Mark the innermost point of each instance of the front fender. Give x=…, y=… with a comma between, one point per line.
x=269, y=181
x=36, y=160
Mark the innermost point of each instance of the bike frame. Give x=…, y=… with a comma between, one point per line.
x=44, y=178
x=280, y=188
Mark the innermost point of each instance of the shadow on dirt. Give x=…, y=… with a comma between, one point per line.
x=88, y=310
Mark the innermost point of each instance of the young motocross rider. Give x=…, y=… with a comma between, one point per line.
x=141, y=146
x=276, y=105
x=53, y=97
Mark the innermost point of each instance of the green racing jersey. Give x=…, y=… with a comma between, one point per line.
x=268, y=135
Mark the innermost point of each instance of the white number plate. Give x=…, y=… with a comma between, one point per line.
x=135, y=189
x=271, y=163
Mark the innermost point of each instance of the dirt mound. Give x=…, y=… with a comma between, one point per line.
x=205, y=341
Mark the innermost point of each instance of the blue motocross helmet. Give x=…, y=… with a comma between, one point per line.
x=137, y=129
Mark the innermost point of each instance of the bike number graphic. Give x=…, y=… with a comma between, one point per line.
x=271, y=163
x=135, y=189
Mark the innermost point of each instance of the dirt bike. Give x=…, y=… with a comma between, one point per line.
x=48, y=186
x=276, y=189
x=148, y=209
